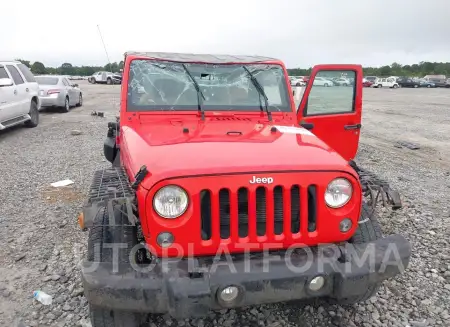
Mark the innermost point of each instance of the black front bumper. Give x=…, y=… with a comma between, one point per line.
x=173, y=287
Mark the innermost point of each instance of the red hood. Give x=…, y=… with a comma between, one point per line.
x=218, y=146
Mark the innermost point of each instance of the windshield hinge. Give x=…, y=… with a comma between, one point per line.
x=139, y=177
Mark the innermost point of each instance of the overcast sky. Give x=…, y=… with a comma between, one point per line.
x=300, y=32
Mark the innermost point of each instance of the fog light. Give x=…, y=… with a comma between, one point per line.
x=316, y=283
x=164, y=239
x=345, y=225
x=229, y=294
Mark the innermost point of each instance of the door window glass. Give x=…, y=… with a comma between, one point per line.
x=27, y=73
x=3, y=73
x=15, y=74
x=330, y=99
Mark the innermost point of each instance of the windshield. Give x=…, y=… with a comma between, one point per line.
x=157, y=85
x=47, y=80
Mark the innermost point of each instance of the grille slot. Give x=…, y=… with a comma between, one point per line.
x=261, y=211
x=295, y=209
x=264, y=211
x=278, y=210
x=312, y=208
x=205, y=214
x=224, y=213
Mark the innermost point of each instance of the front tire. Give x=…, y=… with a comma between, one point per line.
x=326, y=85
x=369, y=230
x=100, y=234
x=379, y=86
x=109, y=81
x=34, y=114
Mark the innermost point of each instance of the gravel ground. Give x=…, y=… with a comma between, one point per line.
x=41, y=244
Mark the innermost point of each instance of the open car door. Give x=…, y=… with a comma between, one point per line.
x=331, y=107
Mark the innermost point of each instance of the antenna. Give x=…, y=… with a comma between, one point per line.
x=104, y=46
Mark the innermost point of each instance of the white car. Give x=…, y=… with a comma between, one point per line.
x=19, y=100
x=343, y=82
x=390, y=82
x=297, y=81
x=105, y=77
x=320, y=81
x=58, y=91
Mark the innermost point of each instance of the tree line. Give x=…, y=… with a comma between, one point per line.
x=421, y=69
x=38, y=68
x=416, y=70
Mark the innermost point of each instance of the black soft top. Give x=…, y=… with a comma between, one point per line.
x=203, y=58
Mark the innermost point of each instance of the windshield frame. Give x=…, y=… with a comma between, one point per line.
x=284, y=94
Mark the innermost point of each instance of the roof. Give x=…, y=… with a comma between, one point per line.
x=206, y=58
x=9, y=62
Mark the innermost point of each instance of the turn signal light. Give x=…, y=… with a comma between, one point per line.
x=81, y=221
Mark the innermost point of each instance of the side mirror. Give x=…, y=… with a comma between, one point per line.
x=6, y=82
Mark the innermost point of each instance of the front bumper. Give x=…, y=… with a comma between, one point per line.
x=173, y=288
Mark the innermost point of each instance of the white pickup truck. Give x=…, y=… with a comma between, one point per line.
x=19, y=100
x=105, y=78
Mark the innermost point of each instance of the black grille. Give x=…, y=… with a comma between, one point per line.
x=282, y=198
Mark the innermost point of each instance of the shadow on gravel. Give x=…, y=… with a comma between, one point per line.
x=12, y=131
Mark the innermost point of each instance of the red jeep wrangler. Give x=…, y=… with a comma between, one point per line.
x=223, y=194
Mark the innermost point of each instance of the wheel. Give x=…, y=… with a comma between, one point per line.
x=428, y=86
x=345, y=84
x=101, y=234
x=109, y=81
x=379, y=86
x=395, y=86
x=416, y=86
x=34, y=114
x=368, y=230
x=326, y=85
x=66, y=107
x=298, y=84
x=80, y=100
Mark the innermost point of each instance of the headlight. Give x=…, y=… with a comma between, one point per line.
x=338, y=193
x=170, y=201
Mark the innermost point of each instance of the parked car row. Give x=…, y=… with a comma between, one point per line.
x=23, y=95
x=321, y=81
x=396, y=82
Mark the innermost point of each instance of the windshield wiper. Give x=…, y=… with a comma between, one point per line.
x=260, y=91
x=200, y=96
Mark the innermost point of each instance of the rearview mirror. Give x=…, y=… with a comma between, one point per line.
x=6, y=82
